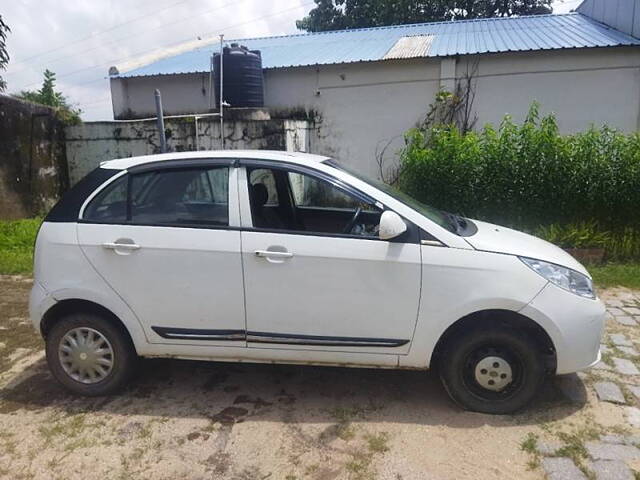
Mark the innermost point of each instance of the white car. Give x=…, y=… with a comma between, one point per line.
x=259, y=256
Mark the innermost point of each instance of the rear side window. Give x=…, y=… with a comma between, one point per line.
x=189, y=197
x=181, y=197
x=110, y=205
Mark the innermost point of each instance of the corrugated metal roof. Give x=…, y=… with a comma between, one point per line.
x=410, y=47
x=493, y=35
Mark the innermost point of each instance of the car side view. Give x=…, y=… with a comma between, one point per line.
x=259, y=256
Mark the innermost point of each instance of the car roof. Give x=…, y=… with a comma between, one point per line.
x=274, y=155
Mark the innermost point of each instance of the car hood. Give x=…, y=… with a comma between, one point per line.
x=494, y=238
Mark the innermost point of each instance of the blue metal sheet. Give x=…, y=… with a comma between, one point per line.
x=466, y=37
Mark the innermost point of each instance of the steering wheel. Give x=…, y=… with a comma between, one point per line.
x=352, y=222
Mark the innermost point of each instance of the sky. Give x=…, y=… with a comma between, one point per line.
x=80, y=39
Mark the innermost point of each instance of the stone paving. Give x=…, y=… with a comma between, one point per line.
x=615, y=383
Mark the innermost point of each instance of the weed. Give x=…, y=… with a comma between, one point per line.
x=378, y=442
x=530, y=444
x=358, y=466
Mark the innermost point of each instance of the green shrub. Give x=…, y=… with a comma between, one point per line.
x=575, y=235
x=526, y=175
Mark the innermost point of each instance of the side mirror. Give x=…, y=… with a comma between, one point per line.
x=391, y=225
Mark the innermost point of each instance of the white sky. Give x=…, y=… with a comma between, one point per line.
x=80, y=39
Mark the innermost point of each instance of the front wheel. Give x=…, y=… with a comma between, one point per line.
x=89, y=355
x=493, y=370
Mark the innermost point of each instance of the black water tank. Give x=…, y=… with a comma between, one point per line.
x=243, y=82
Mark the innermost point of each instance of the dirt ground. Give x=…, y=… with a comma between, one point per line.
x=193, y=420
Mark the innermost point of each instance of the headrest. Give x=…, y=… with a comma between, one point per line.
x=259, y=194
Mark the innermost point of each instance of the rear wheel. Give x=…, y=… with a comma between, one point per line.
x=89, y=355
x=493, y=370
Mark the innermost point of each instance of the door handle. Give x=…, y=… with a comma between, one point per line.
x=120, y=246
x=273, y=254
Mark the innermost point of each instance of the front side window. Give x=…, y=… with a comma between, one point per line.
x=190, y=197
x=306, y=203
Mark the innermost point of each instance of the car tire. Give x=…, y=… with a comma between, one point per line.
x=90, y=355
x=493, y=370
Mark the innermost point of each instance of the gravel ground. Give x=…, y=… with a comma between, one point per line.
x=197, y=420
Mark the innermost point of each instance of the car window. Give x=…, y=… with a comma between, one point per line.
x=109, y=205
x=181, y=197
x=312, y=192
x=265, y=177
x=165, y=197
x=312, y=205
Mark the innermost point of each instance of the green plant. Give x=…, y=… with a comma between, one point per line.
x=528, y=175
x=616, y=274
x=48, y=96
x=577, y=191
x=585, y=234
x=17, y=238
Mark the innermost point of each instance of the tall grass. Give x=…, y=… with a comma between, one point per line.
x=17, y=239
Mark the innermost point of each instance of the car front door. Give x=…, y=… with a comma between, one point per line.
x=317, y=277
x=167, y=242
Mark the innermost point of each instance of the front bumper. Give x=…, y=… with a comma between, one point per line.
x=575, y=325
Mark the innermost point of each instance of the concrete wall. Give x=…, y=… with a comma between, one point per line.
x=582, y=87
x=90, y=143
x=135, y=96
x=362, y=107
x=623, y=15
x=33, y=169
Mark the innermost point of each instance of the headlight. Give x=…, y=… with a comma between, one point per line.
x=563, y=277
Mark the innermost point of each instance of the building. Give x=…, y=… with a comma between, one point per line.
x=366, y=87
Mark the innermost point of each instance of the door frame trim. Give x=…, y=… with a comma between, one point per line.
x=199, y=334
x=279, y=338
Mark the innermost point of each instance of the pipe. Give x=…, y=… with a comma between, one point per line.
x=210, y=82
x=221, y=92
x=148, y=119
x=160, y=121
x=197, y=137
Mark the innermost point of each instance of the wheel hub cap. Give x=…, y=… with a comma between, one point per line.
x=493, y=373
x=85, y=355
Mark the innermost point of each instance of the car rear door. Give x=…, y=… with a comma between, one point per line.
x=166, y=239
x=310, y=284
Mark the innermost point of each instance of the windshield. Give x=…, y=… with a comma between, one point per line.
x=438, y=216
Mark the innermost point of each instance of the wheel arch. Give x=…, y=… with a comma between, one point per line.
x=70, y=306
x=508, y=319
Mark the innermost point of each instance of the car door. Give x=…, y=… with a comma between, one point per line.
x=167, y=242
x=317, y=277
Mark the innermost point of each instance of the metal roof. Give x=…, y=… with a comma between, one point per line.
x=465, y=37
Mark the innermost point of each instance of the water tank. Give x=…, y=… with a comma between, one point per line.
x=242, y=77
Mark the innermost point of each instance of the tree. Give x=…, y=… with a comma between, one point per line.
x=47, y=95
x=346, y=14
x=4, y=55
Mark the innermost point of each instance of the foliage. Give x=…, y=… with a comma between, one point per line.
x=4, y=55
x=346, y=14
x=47, y=95
x=616, y=275
x=17, y=239
x=526, y=175
x=619, y=244
x=575, y=235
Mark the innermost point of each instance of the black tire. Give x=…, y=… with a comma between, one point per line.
x=460, y=359
x=124, y=358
